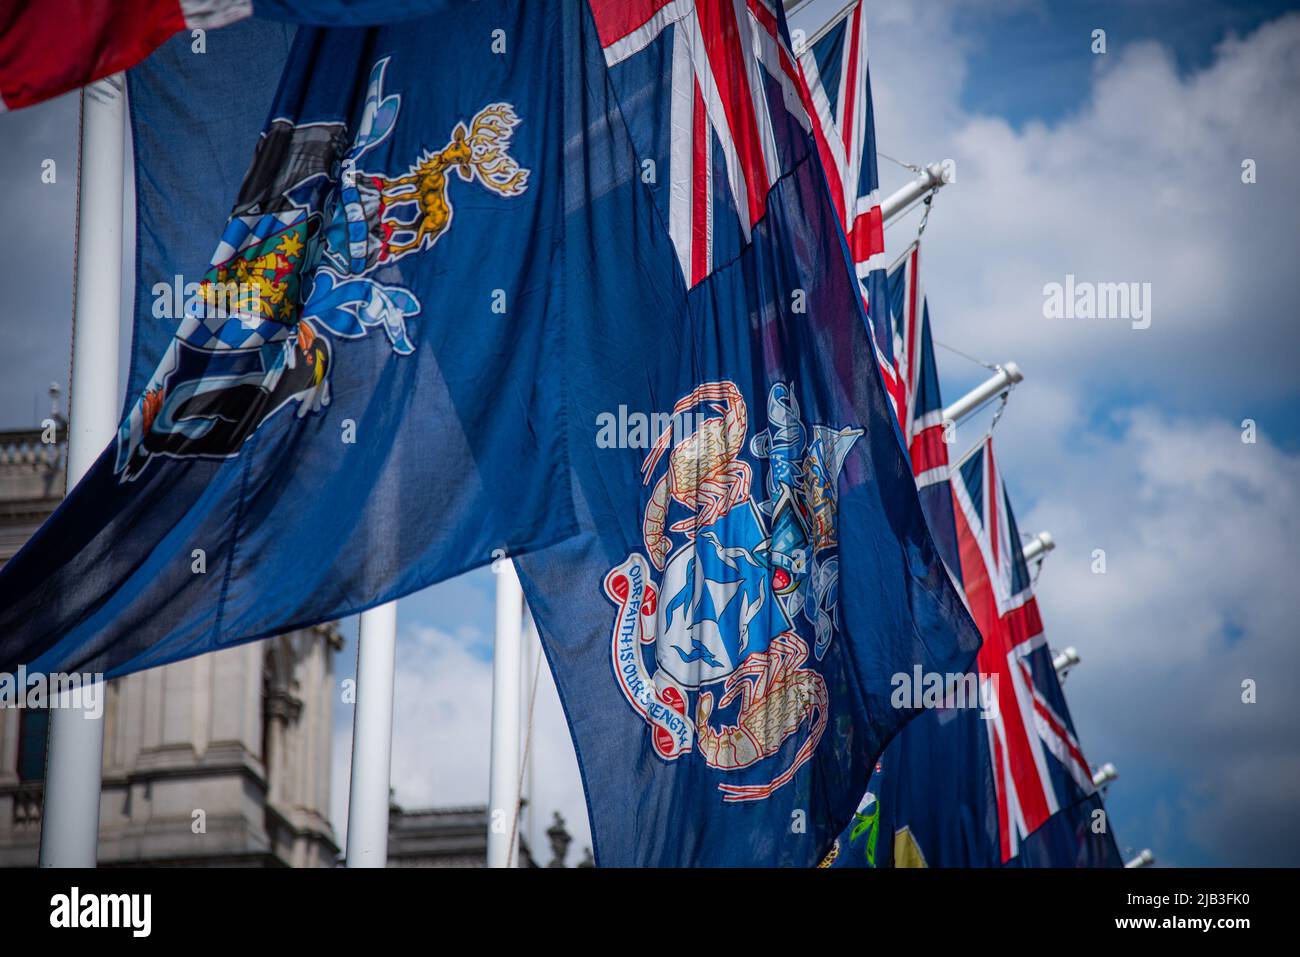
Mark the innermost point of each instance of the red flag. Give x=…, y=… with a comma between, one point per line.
x=54, y=46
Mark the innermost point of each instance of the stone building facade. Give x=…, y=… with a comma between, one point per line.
x=222, y=759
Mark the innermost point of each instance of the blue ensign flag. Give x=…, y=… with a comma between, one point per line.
x=930, y=800
x=559, y=281
x=966, y=786
x=937, y=797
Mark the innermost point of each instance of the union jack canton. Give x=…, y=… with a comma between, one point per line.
x=837, y=86
x=735, y=87
x=1038, y=767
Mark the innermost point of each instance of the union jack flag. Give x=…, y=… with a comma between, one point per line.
x=734, y=91
x=837, y=84
x=920, y=409
x=912, y=382
x=836, y=72
x=1038, y=767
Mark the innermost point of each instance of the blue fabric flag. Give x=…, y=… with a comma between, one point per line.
x=561, y=281
x=1076, y=836
x=775, y=570
x=346, y=13
x=192, y=116
x=933, y=799
x=930, y=800
x=999, y=804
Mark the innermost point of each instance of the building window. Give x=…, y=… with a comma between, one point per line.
x=33, y=729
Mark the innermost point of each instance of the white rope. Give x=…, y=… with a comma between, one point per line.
x=912, y=166
x=920, y=229
x=1038, y=570
x=1002, y=407
x=897, y=217
x=991, y=366
x=528, y=745
x=76, y=267
x=925, y=217
x=988, y=433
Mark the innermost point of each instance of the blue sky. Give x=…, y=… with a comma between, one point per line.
x=1126, y=167
x=1122, y=167
x=1027, y=62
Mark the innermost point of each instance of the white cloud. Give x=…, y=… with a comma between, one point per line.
x=1199, y=530
x=1142, y=182
x=555, y=781
x=442, y=720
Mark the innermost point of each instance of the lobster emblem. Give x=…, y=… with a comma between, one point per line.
x=706, y=643
x=705, y=473
x=777, y=695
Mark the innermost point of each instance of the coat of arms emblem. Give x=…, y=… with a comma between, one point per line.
x=299, y=264
x=710, y=640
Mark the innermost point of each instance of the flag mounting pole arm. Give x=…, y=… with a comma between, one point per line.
x=1001, y=381
x=1144, y=859
x=70, y=817
x=1104, y=775
x=1040, y=544
x=1066, y=660
x=372, y=738
x=930, y=179
x=507, y=689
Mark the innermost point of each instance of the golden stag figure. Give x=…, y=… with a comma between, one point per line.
x=777, y=695
x=704, y=473
x=479, y=152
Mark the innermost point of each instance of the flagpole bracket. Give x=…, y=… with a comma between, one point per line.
x=931, y=179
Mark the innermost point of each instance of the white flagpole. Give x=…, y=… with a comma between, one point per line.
x=1040, y=544
x=70, y=817
x=1066, y=660
x=1104, y=775
x=532, y=662
x=372, y=738
x=1001, y=381
x=929, y=180
x=503, y=777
